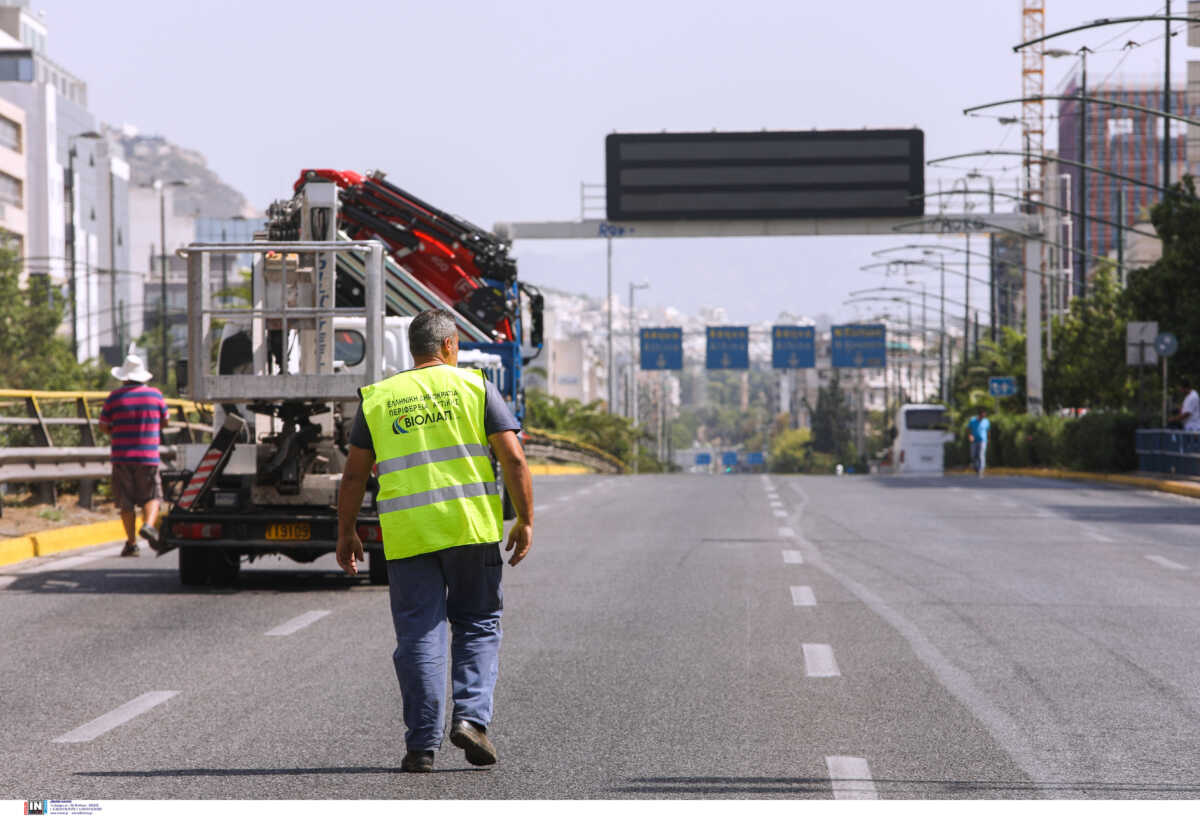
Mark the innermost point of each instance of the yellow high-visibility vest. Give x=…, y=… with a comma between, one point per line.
x=437, y=488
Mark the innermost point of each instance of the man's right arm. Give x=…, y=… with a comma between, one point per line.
x=519, y=484
x=353, y=487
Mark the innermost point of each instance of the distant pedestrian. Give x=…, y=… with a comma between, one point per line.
x=1189, y=414
x=427, y=431
x=133, y=416
x=978, y=429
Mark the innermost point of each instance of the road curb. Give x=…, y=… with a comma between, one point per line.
x=1189, y=489
x=60, y=539
x=559, y=470
x=13, y=550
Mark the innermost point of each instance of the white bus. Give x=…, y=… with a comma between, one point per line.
x=921, y=432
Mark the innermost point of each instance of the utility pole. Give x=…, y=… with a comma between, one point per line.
x=942, y=338
x=1166, y=148
x=1083, y=195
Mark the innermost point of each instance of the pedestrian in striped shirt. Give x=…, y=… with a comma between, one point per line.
x=133, y=416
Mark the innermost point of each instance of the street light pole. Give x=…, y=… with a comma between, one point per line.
x=161, y=186
x=608, y=305
x=69, y=188
x=633, y=368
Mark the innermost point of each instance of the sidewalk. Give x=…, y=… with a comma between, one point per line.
x=1180, y=485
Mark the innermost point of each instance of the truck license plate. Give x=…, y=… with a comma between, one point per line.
x=297, y=531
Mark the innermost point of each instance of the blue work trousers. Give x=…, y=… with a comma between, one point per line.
x=460, y=585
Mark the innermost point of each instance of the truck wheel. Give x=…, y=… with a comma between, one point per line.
x=377, y=567
x=199, y=566
x=193, y=566
x=223, y=566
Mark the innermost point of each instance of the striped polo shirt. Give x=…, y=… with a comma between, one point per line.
x=135, y=414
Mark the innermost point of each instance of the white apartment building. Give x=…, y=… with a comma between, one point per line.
x=14, y=218
x=75, y=186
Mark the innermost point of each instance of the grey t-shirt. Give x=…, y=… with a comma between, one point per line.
x=496, y=418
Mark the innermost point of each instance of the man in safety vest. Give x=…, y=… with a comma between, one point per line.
x=427, y=432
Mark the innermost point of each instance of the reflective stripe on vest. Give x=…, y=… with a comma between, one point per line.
x=437, y=488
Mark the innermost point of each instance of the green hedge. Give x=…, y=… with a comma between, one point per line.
x=1100, y=442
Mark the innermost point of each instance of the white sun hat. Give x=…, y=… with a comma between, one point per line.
x=134, y=369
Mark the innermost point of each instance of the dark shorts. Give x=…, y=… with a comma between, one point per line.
x=134, y=484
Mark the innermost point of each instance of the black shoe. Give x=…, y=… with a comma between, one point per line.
x=473, y=740
x=151, y=535
x=417, y=762
x=131, y=549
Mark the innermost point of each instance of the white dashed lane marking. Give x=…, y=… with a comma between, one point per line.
x=819, y=660
x=1166, y=562
x=803, y=596
x=297, y=623
x=851, y=778
x=780, y=513
x=792, y=557
x=118, y=716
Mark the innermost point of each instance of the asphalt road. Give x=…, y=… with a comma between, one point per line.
x=669, y=636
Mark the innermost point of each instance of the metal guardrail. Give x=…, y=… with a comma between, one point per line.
x=63, y=431
x=1168, y=451
x=44, y=410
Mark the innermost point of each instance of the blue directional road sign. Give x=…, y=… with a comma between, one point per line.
x=729, y=458
x=1002, y=386
x=862, y=345
x=793, y=347
x=728, y=347
x=754, y=458
x=703, y=458
x=662, y=349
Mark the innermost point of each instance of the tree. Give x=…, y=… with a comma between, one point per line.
x=1088, y=367
x=832, y=420
x=35, y=355
x=1165, y=290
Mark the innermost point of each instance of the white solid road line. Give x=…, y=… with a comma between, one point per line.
x=1166, y=562
x=819, y=660
x=851, y=778
x=118, y=716
x=54, y=564
x=792, y=557
x=786, y=532
x=297, y=623
x=1098, y=536
x=803, y=596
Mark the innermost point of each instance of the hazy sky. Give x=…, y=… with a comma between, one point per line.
x=497, y=111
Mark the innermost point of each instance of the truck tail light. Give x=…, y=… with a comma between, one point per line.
x=370, y=532
x=195, y=530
